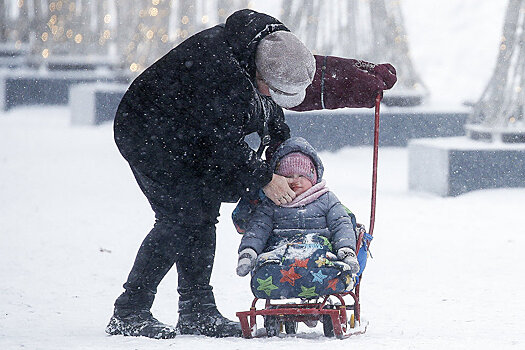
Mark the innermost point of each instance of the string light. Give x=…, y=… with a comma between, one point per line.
x=153, y=11
x=185, y=20
x=107, y=18
x=78, y=38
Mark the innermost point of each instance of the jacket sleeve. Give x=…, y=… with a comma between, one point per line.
x=227, y=132
x=278, y=131
x=250, y=170
x=259, y=229
x=340, y=224
x=344, y=82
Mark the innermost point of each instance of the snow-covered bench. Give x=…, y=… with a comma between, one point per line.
x=451, y=166
x=21, y=87
x=93, y=104
x=13, y=55
x=333, y=129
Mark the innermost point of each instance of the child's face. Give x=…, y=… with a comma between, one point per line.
x=299, y=184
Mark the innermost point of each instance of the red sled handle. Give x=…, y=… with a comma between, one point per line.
x=374, y=165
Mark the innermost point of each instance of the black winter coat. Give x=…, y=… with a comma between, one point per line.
x=185, y=117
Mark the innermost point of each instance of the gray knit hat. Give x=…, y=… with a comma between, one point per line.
x=287, y=66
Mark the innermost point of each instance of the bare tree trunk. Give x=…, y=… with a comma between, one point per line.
x=187, y=17
x=503, y=100
x=390, y=42
x=4, y=20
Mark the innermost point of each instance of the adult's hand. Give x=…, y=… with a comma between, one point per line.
x=278, y=190
x=344, y=82
x=355, y=83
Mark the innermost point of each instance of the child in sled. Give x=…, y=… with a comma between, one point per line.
x=301, y=249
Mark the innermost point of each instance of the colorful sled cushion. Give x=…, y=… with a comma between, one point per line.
x=301, y=267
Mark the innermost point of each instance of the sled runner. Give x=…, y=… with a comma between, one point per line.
x=338, y=310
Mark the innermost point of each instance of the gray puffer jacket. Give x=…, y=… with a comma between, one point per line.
x=272, y=225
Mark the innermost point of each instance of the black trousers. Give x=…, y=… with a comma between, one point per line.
x=183, y=234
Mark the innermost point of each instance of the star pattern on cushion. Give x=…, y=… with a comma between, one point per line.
x=319, y=276
x=266, y=285
x=289, y=276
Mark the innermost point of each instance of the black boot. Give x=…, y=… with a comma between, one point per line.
x=133, y=318
x=138, y=324
x=198, y=315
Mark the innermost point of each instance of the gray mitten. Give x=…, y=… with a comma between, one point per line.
x=347, y=255
x=246, y=261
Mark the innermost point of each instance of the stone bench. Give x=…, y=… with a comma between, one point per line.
x=22, y=87
x=325, y=130
x=94, y=104
x=332, y=130
x=455, y=165
x=13, y=55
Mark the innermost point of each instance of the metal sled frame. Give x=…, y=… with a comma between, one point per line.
x=314, y=311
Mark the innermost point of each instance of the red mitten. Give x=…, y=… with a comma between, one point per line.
x=344, y=82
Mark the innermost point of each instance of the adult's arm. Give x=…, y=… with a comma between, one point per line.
x=278, y=130
x=344, y=82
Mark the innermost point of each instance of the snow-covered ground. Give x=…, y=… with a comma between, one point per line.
x=446, y=274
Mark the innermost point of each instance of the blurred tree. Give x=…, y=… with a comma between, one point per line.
x=143, y=32
x=502, y=104
x=71, y=30
x=371, y=30
x=149, y=28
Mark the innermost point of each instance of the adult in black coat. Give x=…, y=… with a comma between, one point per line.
x=181, y=127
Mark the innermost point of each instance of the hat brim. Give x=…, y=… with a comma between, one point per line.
x=287, y=100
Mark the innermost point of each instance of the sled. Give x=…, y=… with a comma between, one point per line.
x=340, y=313
x=340, y=319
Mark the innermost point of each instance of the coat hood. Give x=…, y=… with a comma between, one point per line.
x=298, y=144
x=244, y=30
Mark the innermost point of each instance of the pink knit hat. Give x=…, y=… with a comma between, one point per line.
x=297, y=163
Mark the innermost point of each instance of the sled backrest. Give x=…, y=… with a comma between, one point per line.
x=362, y=243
